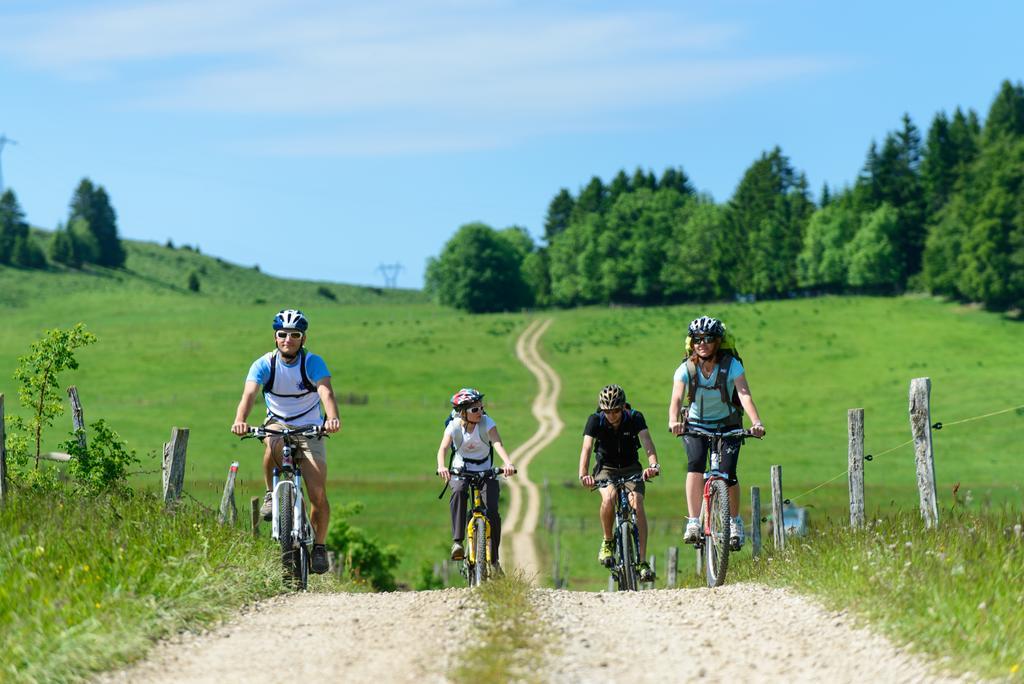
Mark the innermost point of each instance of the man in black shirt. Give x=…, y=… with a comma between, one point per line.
x=618, y=431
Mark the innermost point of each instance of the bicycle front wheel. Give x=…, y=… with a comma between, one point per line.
x=716, y=545
x=285, y=523
x=480, y=551
x=627, y=558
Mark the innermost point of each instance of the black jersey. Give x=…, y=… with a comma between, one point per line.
x=617, y=447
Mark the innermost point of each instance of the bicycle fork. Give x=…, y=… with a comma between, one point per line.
x=470, y=527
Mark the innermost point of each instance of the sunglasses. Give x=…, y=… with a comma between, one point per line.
x=475, y=409
x=612, y=410
x=285, y=334
x=709, y=339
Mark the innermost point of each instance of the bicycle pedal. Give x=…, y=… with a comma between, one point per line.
x=735, y=545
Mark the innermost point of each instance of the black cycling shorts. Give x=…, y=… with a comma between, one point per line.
x=698, y=450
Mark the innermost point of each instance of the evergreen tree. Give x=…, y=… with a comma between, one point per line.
x=1006, y=115
x=87, y=247
x=12, y=225
x=193, y=281
x=62, y=249
x=676, y=179
x=764, y=227
x=620, y=185
x=559, y=214
x=92, y=204
x=593, y=199
x=642, y=179
x=942, y=248
x=478, y=271
x=17, y=247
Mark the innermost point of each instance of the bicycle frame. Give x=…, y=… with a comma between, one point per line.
x=624, y=513
x=479, y=511
x=476, y=480
x=301, y=530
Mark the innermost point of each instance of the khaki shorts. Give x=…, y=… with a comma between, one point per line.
x=607, y=472
x=313, y=449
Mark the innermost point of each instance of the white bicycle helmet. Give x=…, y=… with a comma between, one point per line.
x=290, y=319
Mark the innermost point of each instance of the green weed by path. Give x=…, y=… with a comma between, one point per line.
x=507, y=638
x=956, y=592
x=91, y=583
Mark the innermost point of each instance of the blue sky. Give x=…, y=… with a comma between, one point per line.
x=321, y=139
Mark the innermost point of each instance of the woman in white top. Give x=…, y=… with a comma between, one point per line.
x=474, y=438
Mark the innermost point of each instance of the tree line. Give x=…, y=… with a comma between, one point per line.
x=89, y=236
x=942, y=213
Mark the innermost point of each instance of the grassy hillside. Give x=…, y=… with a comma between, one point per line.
x=159, y=269
x=168, y=357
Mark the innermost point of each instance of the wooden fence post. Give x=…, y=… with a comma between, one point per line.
x=228, y=511
x=855, y=421
x=700, y=562
x=3, y=454
x=778, y=524
x=672, y=567
x=611, y=583
x=921, y=428
x=254, y=514
x=755, y=521
x=652, y=561
x=445, y=572
x=77, y=416
x=174, y=464
x=556, y=556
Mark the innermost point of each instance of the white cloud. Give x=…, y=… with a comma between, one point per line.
x=514, y=65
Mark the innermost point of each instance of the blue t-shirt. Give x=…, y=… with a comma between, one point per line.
x=316, y=369
x=706, y=396
x=290, y=402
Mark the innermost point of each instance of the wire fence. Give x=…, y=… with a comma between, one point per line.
x=938, y=426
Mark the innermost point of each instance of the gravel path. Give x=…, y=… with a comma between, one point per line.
x=742, y=632
x=397, y=637
x=520, y=522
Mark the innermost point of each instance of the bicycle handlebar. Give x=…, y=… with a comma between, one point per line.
x=483, y=474
x=617, y=481
x=311, y=432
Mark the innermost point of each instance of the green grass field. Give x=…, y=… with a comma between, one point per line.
x=167, y=357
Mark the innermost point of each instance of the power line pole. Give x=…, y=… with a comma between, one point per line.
x=390, y=273
x=4, y=140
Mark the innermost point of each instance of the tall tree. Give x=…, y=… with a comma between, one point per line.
x=1006, y=115
x=764, y=228
x=593, y=199
x=559, y=214
x=620, y=185
x=62, y=249
x=676, y=179
x=17, y=247
x=92, y=204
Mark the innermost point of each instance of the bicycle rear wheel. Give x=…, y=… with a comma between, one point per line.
x=285, y=522
x=716, y=545
x=480, y=551
x=627, y=558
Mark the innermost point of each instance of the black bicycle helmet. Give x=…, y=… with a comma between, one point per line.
x=611, y=397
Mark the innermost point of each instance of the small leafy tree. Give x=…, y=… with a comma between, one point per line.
x=193, y=281
x=103, y=463
x=364, y=558
x=37, y=372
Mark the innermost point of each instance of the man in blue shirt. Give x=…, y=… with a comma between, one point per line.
x=295, y=384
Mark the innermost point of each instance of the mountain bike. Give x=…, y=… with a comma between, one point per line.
x=476, y=566
x=713, y=540
x=289, y=521
x=626, y=535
